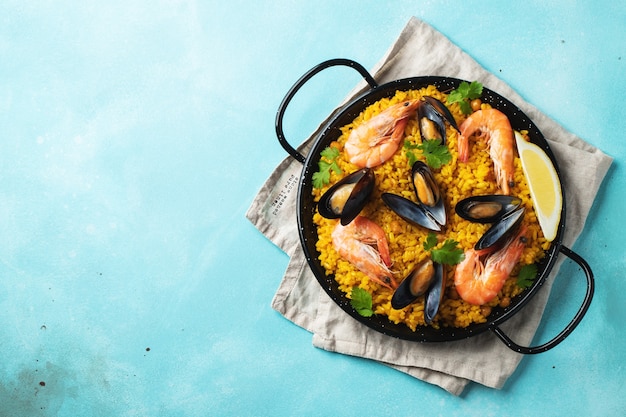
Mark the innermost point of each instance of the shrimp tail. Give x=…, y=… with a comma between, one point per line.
x=467, y=129
x=501, y=152
x=503, y=179
x=463, y=148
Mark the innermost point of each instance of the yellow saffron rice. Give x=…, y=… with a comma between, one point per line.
x=457, y=180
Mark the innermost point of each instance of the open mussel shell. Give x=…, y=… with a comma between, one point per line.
x=501, y=231
x=442, y=110
x=411, y=211
x=486, y=208
x=427, y=279
x=347, y=197
x=414, y=285
x=434, y=295
x=431, y=123
x=427, y=191
x=432, y=116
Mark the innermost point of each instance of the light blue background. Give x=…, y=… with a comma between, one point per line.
x=135, y=134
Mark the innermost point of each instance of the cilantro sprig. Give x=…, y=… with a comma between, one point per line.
x=409, y=148
x=433, y=150
x=326, y=163
x=527, y=275
x=361, y=301
x=430, y=242
x=464, y=93
x=446, y=254
x=436, y=153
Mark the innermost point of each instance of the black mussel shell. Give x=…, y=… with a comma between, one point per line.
x=443, y=111
x=356, y=188
x=411, y=211
x=434, y=111
x=427, y=191
x=500, y=232
x=486, y=208
x=434, y=295
x=414, y=285
x=427, y=115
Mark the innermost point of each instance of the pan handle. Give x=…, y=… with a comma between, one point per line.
x=572, y=324
x=306, y=77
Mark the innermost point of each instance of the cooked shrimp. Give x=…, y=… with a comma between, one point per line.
x=355, y=243
x=376, y=140
x=478, y=281
x=496, y=128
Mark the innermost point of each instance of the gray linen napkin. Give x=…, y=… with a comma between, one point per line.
x=421, y=50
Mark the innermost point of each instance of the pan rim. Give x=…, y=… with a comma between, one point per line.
x=308, y=232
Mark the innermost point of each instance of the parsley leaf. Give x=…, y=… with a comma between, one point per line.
x=464, y=93
x=322, y=177
x=409, y=147
x=330, y=153
x=431, y=241
x=361, y=301
x=448, y=254
x=466, y=108
x=326, y=164
x=527, y=275
x=436, y=153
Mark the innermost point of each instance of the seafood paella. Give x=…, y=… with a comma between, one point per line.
x=423, y=207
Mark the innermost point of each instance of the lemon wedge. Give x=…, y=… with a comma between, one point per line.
x=544, y=185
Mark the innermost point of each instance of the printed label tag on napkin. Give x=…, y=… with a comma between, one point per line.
x=278, y=201
x=274, y=210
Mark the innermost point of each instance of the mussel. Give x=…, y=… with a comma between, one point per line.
x=504, y=211
x=410, y=211
x=345, y=199
x=429, y=210
x=501, y=231
x=427, y=191
x=414, y=285
x=426, y=279
x=432, y=116
x=434, y=296
x=486, y=208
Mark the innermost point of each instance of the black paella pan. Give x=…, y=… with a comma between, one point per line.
x=306, y=208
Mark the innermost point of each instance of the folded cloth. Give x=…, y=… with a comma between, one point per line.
x=421, y=50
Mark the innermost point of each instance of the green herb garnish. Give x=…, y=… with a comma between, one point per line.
x=436, y=153
x=361, y=301
x=464, y=93
x=431, y=241
x=447, y=254
x=326, y=164
x=409, y=147
x=527, y=275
